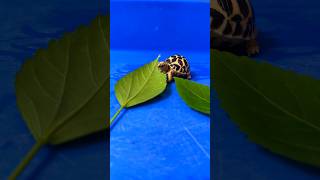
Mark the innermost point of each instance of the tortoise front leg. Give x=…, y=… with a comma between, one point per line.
x=252, y=47
x=170, y=76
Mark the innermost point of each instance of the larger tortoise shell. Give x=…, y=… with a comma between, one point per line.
x=233, y=19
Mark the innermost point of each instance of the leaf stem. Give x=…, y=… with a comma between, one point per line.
x=115, y=115
x=33, y=151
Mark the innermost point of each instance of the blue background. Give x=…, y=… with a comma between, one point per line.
x=142, y=143
x=289, y=38
x=25, y=27
x=164, y=138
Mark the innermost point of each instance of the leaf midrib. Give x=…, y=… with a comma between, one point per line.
x=143, y=86
x=195, y=94
x=270, y=100
x=77, y=109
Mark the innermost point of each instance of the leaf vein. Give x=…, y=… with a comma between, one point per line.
x=269, y=100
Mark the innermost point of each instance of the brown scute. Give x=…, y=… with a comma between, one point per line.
x=244, y=7
x=236, y=18
x=184, y=69
x=238, y=30
x=228, y=29
x=226, y=5
x=186, y=62
x=177, y=67
x=217, y=19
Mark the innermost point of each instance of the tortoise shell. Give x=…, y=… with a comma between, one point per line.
x=175, y=66
x=232, y=22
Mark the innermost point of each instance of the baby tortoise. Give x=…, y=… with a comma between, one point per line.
x=233, y=25
x=175, y=66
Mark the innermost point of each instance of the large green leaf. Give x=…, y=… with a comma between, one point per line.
x=140, y=85
x=277, y=109
x=62, y=90
x=197, y=96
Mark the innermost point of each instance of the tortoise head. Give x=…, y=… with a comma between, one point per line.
x=164, y=67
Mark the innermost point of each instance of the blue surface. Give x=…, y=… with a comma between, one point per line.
x=164, y=138
x=25, y=27
x=289, y=39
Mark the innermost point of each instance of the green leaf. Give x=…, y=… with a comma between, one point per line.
x=277, y=109
x=140, y=85
x=62, y=91
x=197, y=96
